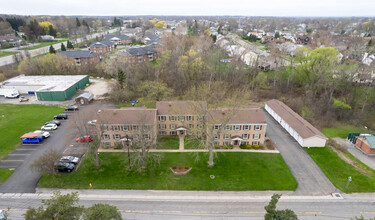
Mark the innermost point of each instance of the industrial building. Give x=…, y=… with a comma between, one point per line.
x=48, y=88
x=300, y=129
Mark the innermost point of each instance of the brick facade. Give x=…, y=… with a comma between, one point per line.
x=364, y=145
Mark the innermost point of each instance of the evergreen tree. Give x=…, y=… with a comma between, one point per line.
x=52, y=31
x=51, y=49
x=273, y=214
x=63, y=47
x=277, y=35
x=121, y=78
x=69, y=45
x=77, y=22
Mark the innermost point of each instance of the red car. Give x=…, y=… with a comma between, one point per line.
x=84, y=139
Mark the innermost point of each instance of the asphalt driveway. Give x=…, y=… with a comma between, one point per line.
x=310, y=178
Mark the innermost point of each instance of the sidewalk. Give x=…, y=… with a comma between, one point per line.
x=197, y=150
x=369, y=161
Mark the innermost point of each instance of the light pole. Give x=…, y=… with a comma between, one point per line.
x=347, y=183
x=127, y=141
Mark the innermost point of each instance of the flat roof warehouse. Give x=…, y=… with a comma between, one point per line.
x=55, y=83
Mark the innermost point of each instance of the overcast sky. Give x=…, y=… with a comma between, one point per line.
x=190, y=7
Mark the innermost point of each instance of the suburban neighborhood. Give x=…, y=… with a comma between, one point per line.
x=249, y=116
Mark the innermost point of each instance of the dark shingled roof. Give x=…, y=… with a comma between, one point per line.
x=237, y=116
x=130, y=115
x=98, y=44
x=181, y=107
x=78, y=53
x=136, y=51
x=294, y=120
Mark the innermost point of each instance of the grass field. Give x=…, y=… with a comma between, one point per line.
x=171, y=143
x=6, y=53
x=342, y=131
x=15, y=120
x=44, y=44
x=232, y=171
x=338, y=171
x=4, y=174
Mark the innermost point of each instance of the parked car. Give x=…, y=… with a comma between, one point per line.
x=69, y=159
x=92, y=122
x=49, y=127
x=58, y=123
x=23, y=99
x=62, y=116
x=72, y=108
x=84, y=139
x=45, y=134
x=64, y=167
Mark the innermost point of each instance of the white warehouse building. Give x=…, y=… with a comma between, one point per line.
x=300, y=129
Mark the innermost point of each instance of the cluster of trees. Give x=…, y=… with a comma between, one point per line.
x=65, y=207
x=117, y=22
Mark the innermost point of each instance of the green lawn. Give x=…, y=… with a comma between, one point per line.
x=6, y=53
x=15, y=120
x=338, y=171
x=147, y=104
x=44, y=44
x=4, y=174
x=193, y=144
x=343, y=131
x=232, y=171
x=168, y=143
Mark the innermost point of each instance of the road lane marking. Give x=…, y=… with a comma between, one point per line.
x=140, y=211
x=312, y=212
x=252, y=212
x=11, y=160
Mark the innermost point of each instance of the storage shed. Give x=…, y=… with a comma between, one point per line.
x=300, y=129
x=84, y=98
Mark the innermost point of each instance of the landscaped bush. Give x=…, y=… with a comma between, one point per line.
x=248, y=146
x=105, y=147
x=230, y=146
x=255, y=146
x=117, y=147
x=217, y=147
x=225, y=147
x=261, y=146
x=243, y=146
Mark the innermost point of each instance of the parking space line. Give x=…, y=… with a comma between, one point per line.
x=31, y=144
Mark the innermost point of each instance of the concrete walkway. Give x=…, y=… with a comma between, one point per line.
x=369, y=161
x=198, y=150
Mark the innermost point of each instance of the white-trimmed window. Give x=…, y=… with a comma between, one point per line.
x=190, y=118
x=245, y=136
x=106, y=137
x=134, y=127
x=181, y=118
x=190, y=126
x=162, y=126
x=227, y=136
x=246, y=127
x=244, y=142
x=256, y=136
x=200, y=118
x=172, y=133
x=216, y=143
x=172, y=126
x=116, y=128
x=117, y=136
x=226, y=143
x=162, y=117
x=105, y=127
x=146, y=137
x=216, y=136
x=162, y=133
x=172, y=118
x=255, y=142
x=257, y=127
x=107, y=143
x=200, y=126
x=216, y=127
x=147, y=127
x=227, y=127
x=135, y=136
x=125, y=127
x=237, y=127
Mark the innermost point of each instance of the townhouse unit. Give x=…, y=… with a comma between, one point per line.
x=220, y=126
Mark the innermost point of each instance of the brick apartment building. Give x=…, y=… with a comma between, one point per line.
x=139, y=54
x=224, y=126
x=101, y=47
x=81, y=57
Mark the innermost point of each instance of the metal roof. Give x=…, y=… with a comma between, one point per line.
x=371, y=141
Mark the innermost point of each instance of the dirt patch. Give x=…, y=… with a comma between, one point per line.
x=99, y=88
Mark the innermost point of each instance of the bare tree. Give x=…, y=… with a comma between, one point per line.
x=45, y=164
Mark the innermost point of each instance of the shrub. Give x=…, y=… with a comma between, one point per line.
x=230, y=146
x=248, y=146
x=117, y=147
x=225, y=147
x=261, y=146
x=217, y=147
x=255, y=146
x=242, y=146
x=105, y=146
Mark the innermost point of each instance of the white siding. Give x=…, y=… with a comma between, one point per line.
x=315, y=141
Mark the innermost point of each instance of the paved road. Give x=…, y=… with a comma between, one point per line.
x=311, y=180
x=204, y=205
x=9, y=59
x=369, y=161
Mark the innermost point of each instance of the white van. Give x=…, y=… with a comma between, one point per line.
x=9, y=93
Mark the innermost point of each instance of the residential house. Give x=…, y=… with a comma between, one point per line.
x=302, y=40
x=81, y=57
x=237, y=126
x=101, y=47
x=137, y=124
x=118, y=39
x=138, y=54
x=10, y=39
x=222, y=126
